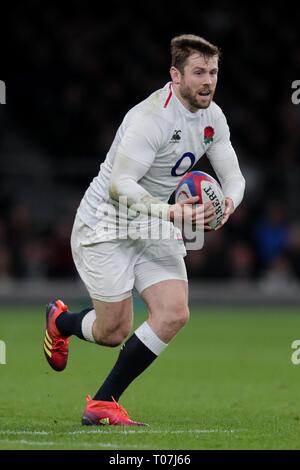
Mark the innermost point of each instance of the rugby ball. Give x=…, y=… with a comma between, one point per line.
x=198, y=183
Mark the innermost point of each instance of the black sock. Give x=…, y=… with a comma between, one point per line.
x=70, y=323
x=133, y=359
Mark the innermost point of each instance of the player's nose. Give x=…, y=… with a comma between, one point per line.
x=207, y=79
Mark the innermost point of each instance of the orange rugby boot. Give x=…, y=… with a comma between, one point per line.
x=56, y=346
x=106, y=413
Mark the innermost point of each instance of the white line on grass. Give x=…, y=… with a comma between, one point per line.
x=109, y=444
x=28, y=443
x=29, y=433
x=25, y=442
x=10, y=432
x=155, y=431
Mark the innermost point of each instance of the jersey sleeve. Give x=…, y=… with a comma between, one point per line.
x=142, y=139
x=224, y=161
x=135, y=154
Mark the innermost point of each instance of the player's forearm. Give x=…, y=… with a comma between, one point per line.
x=137, y=198
x=234, y=187
x=124, y=182
x=228, y=171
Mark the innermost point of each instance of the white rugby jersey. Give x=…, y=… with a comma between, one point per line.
x=162, y=134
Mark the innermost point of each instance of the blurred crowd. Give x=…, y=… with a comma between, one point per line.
x=76, y=72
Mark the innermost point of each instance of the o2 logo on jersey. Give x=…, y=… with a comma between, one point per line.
x=176, y=170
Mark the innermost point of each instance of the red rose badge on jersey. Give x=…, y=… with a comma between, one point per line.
x=208, y=134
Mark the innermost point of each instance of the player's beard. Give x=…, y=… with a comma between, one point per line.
x=192, y=98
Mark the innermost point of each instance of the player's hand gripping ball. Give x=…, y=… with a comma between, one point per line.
x=198, y=183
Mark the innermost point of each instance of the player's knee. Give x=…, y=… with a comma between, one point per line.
x=111, y=337
x=116, y=338
x=181, y=316
x=177, y=316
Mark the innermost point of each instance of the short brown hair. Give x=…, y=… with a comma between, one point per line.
x=186, y=44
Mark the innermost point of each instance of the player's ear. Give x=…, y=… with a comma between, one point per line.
x=175, y=75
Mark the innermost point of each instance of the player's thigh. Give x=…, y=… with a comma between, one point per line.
x=167, y=298
x=168, y=307
x=152, y=271
x=162, y=283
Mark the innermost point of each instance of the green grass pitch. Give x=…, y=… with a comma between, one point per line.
x=226, y=382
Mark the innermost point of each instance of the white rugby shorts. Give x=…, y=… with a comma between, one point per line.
x=111, y=269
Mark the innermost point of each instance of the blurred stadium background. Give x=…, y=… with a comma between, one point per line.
x=72, y=73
